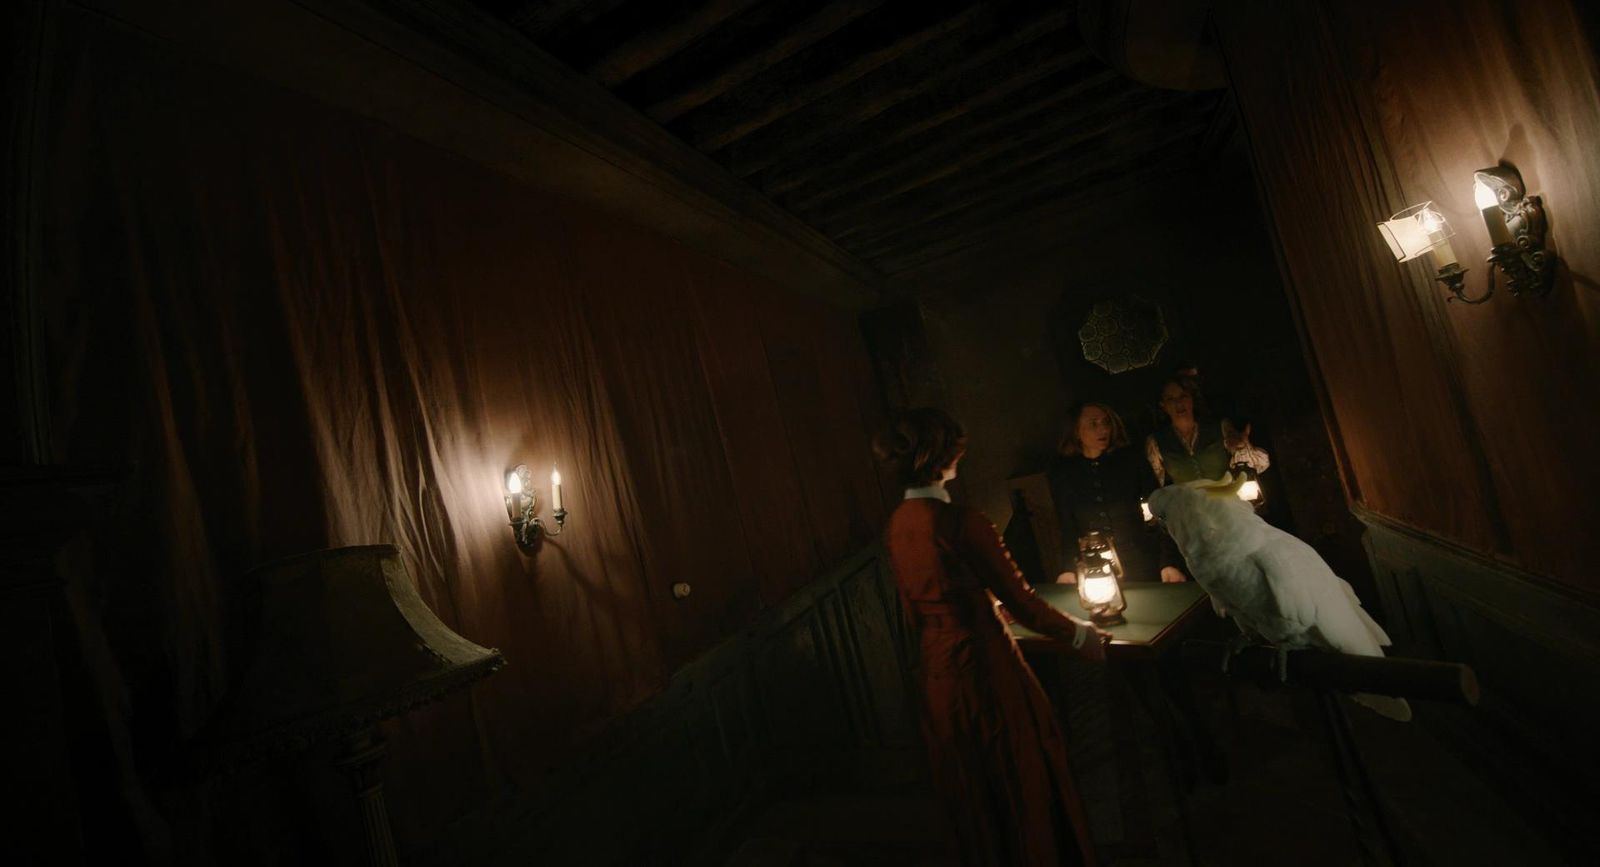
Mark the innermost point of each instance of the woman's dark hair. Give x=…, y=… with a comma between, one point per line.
x=1070, y=445
x=1173, y=380
x=1179, y=381
x=919, y=444
x=1190, y=386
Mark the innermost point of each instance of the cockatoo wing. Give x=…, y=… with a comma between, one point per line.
x=1309, y=595
x=1320, y=603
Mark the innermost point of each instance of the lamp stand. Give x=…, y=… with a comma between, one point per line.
x=361, y=761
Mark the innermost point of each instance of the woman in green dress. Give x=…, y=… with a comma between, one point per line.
x=1191, y=447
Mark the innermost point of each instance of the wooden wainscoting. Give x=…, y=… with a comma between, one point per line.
x=812, y=695
x=1536, y=649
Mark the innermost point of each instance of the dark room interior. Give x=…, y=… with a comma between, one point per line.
x=491, y=432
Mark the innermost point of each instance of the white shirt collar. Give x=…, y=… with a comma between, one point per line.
x=928, y=492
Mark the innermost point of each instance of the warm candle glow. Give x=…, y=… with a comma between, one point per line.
x=514, y=482
x=555, y=488
x=1144, y=509
x=1099, y=590
x=1487, y=198
x=1482, y=196
x=1250, y=490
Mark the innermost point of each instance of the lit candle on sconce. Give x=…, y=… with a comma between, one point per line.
x=522, y=506
x=1517, y=225
x=1494, y=218
x=1438, y=238
x=515, y=497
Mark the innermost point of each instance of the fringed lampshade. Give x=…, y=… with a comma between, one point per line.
x=341, y=640
x=337, y=641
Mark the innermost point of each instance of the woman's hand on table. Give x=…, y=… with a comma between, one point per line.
x=1094, y=644
x=1172, y=575
x=1067, y=578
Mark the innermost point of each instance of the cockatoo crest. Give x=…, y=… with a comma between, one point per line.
x=1227, y=486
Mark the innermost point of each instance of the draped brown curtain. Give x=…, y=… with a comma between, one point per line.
x=1473, y=423
x=296, y=329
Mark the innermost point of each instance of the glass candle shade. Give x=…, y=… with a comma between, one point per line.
x=1417, y=230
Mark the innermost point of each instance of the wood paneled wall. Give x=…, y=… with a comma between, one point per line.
x=1473, y=423
x=288, y=327
x=1467, y=433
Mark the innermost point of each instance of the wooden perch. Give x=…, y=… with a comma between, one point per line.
x=1324, y=669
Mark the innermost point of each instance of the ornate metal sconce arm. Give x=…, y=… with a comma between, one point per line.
x=530, y=529
x=1527, y=268
x=1454, y=278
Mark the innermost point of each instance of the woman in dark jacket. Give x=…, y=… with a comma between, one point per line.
x=1097, y=482
x=995, y=748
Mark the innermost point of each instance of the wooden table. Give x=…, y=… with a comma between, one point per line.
x=1141, y=656
x=1157, y=616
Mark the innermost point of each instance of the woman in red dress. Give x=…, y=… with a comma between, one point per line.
x=995, y=746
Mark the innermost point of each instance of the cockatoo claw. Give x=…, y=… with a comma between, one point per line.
x=1236, y=646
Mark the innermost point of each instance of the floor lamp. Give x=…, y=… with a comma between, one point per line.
x=339, y=641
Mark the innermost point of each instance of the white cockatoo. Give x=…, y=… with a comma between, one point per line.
x=1272, y=584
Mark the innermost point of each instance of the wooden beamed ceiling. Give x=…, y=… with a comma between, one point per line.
x=892, y=128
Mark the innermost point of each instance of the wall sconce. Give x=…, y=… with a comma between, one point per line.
x=1422, y=229
x=1516, y=224
x=1249, y=489
x=522, y=506
x=1099, y=579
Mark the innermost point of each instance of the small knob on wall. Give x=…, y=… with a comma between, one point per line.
x=681, y=590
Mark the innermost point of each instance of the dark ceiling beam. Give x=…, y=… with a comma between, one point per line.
x=976, y=167
x=722, y=128
x=964, y=192
x=1006, y=191
x=555, y=23
x=895, y=84
x=653, y=46
x=939, y=145
x=818, y=26
x=537, y=19
x=1084, y=194
x=1027, y=140
x=1031, y=91
x=1057, y=186
x=947, y=237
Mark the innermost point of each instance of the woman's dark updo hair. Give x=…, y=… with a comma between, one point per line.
x=920, y=444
